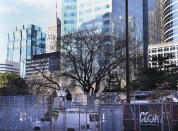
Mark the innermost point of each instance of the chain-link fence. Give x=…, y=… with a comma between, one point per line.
x=27, y=113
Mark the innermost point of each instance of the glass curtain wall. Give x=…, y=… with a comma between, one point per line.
x=170, y=18
x=24, y=42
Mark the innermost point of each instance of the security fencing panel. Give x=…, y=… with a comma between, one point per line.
x=150, y=117
x=18, y=113
x=111, y=117
x=174, y=122
x=27, y=113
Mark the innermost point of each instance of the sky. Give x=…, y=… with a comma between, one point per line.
x=19, y=12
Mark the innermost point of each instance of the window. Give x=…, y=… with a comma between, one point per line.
x=154, y=50
x=89, y=11
x=97, y=8
x=106, y=22
x=149, y=51
x=166, y=54
x=81, y=20
x=67, y=14
x=70, y=7
x=11, y=37
x=17, y=36
x=173, y=55
x=106, y=7
x=69, y=22
x=82, y=5
x=106, y=15
x=172, y=47
x=106, y=30
x=166, y=48
x=160, y=55
x=160, y=49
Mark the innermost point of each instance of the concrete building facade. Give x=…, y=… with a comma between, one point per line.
x=53, y=35
x=48, y=62
x=163, y=50
x=10, y=67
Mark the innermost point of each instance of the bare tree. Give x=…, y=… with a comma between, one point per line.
x=43, y=79
x=87, y=56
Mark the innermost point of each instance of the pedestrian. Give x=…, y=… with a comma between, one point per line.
x=69, y=98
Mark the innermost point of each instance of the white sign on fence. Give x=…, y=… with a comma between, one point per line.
x=149, y=118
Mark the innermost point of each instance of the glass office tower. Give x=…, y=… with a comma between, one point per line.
x=24, y=42
x=153, y=20
x=152, y=24
x=107, y=16
x=170, y=19
x=68, y=16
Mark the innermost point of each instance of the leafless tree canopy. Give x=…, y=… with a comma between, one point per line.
x=88, y=56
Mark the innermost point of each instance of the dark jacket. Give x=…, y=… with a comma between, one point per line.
x=69, y=96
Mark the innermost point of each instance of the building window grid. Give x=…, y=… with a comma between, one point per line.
x=165, y=51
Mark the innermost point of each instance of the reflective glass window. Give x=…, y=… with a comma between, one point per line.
x=106, y=22
x=69, y=22
x=38, y=37
x=24, y=34
x=97, y=8
x=11, y=37
x=23, y=50
x=17, y=35
x=106, y=15
x=28, y=52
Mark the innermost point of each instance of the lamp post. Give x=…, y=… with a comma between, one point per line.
x=127, y=53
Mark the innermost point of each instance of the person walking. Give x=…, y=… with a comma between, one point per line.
x=69, y=98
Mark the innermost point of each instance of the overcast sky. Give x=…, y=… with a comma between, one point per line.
x=18, y=12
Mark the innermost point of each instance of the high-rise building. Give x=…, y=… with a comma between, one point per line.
x=152, y=24
x=170, y=19
x=53, y=35
x=10, y=67
x=47, y=62
x=24, y=42
x=107, y=15
x=68, y=15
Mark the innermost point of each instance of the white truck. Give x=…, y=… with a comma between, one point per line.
x=72, y=119
x=69, y=120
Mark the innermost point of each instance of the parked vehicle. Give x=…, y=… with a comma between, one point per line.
x=70, y=120
x=140, y=98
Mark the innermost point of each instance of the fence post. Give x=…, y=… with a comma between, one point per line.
x=112, y=109
x=171, y=112
x=162, y=122
x=79, y=117
x=139, y=117
x=86, y=121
